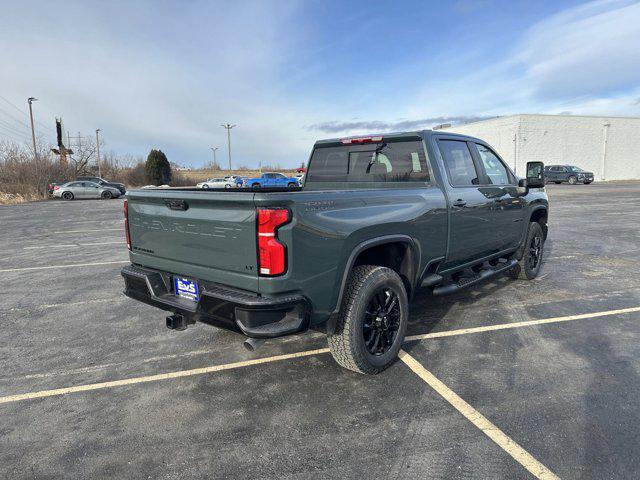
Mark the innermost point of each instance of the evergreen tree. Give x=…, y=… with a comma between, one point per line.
x=157, y=168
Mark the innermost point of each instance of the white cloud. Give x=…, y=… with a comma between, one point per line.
x=583, y=51
x=152, y=77
x=585, y=60
x=166, y=75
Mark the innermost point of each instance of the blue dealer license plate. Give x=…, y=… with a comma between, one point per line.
x=185, y=288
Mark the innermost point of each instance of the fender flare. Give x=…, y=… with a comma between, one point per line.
x=374, y=242
x=534, y=208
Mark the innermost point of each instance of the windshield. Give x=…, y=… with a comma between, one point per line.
x=576, y=169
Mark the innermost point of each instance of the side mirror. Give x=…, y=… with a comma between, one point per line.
x=535, y=174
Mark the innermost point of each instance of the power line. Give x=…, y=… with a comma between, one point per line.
x=42, y=125
x=11, y=135
x=13, y=117
x=8, y=126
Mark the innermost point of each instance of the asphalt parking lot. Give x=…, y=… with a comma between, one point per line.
x=485, y=390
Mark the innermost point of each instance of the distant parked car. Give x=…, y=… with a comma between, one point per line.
x=79, y=190
x=216, y=183
x=104, y=183
x=567, y=173
x=240, y=180
x=271, y=179
x=52, y=185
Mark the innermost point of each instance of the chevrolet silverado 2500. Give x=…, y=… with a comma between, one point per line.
x=379, y=218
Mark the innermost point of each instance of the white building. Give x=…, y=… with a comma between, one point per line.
x=607, y=146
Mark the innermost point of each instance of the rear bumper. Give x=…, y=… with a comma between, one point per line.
x=219, y=305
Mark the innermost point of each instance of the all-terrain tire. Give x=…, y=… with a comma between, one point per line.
x=347, y=343
x=525, y=270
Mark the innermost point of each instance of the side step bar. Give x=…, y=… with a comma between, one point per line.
x=479, y=277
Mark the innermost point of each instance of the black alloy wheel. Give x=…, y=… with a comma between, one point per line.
x=535, y=251
x=381, y=321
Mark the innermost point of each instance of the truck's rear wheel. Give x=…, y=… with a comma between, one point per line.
x=529, y=265
x=372, y=321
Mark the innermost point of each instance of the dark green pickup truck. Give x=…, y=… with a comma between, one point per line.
x=378, y=218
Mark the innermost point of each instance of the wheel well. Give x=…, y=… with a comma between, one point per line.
x=397, y=256
x=540, y=216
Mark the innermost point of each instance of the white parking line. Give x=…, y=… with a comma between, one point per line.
x=75, y=245
x=48, y=267
x=501, y=439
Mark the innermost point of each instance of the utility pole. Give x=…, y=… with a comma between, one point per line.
x=213, y=149
x=33, y=139
x=98, y=151
x=228, y=126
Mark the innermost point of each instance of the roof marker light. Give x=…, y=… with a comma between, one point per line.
x=360, y=140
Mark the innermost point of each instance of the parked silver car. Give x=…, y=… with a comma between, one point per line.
x=73, y=190
x=226, y=182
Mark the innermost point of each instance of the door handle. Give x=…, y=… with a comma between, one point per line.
x=459, y=203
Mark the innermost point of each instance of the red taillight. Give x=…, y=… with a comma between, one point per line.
x=271, y=253
x=358, y=140
x=56, y=188
x=126, y=224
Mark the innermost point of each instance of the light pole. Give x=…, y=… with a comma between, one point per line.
x=213, y=149
x=98, y=151
x=228, y=126
x=33, y=139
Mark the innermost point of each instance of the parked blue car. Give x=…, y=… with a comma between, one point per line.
x=271, y=179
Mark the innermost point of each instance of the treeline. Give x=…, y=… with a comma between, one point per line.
x=25, y=177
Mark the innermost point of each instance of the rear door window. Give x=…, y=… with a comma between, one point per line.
x=459, y=163
x=402, y=161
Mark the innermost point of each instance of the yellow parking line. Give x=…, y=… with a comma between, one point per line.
x=518, y=453
x=73, y=245
x=155, y=378
x=528, y=323
x=62, y=266
x=230, y=366
x=121, y=229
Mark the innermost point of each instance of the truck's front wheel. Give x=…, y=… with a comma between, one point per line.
x=529, y=265
x=372, y=322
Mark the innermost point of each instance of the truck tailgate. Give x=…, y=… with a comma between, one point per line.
x=210, y=235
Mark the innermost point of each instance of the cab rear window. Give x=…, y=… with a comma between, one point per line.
x=375, y=162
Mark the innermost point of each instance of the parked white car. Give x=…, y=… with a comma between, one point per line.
x=216, y=183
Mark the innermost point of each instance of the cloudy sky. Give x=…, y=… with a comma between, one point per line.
x=163, y=74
